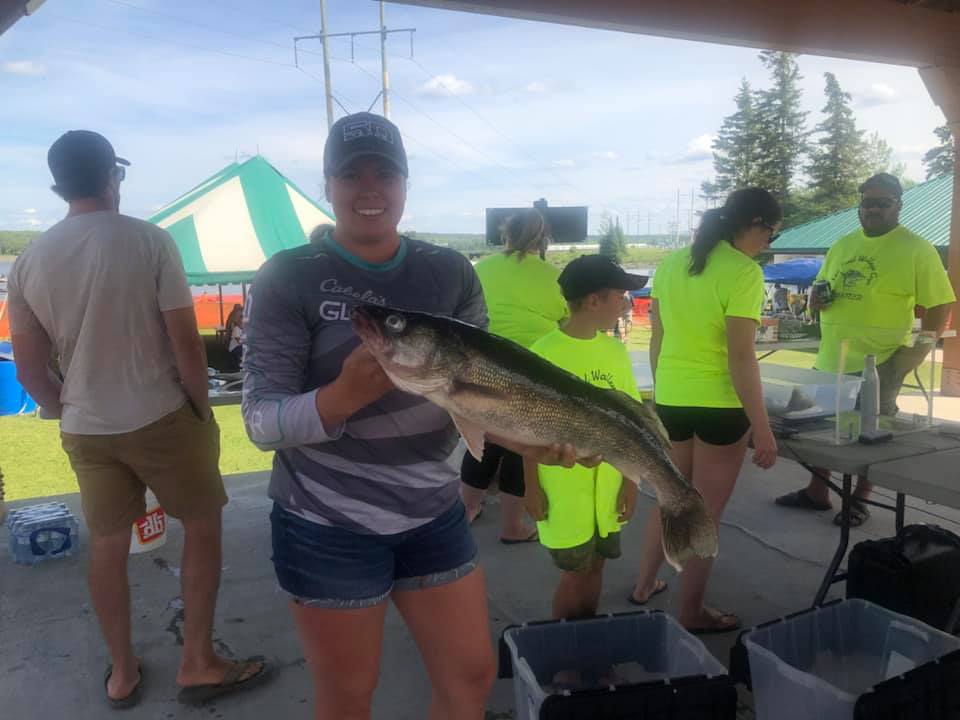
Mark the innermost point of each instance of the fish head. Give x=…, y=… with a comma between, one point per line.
x=418, y=351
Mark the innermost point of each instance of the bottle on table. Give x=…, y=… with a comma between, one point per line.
x=869, y=396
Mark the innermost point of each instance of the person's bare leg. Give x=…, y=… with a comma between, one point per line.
x=343, y=649
x=817, y=490
x=578, y=593
x=651, y=558
x=512, y=514
x=199, y=583
x=451, y=626
x=715, y=472
x=110, y=593
x=863, y=489
x=472, y=500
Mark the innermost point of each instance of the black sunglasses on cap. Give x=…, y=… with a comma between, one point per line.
x=882, y=203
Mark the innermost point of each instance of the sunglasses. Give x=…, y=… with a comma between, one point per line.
x=771, y=228
x=118, y=173
x=877, y=203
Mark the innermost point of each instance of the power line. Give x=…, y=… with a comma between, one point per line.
x=190, y=46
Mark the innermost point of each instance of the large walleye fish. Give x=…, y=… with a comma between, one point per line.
x=494, y=387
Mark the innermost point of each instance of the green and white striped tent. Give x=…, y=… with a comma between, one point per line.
x=227, y=226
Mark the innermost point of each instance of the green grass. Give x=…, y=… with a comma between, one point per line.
x=35, y=466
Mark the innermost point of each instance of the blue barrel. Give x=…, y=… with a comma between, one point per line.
x=13, y=398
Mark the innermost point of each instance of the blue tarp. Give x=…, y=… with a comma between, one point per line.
x=801, y=272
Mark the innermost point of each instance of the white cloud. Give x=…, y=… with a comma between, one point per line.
x=30, y=211
x=877, y=94
x=536, y=87
x=565, y=163
x=606, y=155
x=24, y=67
x=445, y=85
x=699, y=149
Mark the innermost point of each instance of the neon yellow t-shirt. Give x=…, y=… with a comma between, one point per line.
x=876, y=282
x=692, y=368
x=583, y=501
x=523, y=297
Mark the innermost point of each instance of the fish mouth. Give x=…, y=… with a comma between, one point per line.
x=367, y=328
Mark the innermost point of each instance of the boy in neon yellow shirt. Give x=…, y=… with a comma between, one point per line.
x=580, y=510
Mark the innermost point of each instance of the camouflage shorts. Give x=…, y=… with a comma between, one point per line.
x=581, y=557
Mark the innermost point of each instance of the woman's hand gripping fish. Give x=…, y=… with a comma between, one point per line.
x=493, y=388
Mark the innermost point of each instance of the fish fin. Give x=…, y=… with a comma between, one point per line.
x=473, y=435
x=688, y=530
x=643, y=414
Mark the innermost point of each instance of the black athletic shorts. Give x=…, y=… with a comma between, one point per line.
x=479, y=474
x=714, y=426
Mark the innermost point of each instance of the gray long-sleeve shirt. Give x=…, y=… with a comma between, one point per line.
x=385, y=469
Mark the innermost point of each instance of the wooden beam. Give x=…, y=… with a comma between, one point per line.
x=950, y=380
x=885, y=32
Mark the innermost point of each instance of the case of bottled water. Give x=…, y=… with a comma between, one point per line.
x=42, y=532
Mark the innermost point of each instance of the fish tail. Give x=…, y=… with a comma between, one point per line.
x=688, y=530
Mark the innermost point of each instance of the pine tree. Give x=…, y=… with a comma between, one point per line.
x=735, y=148
x=839, y=154
x=782, y=137
x=613, y=244
x=941, y=159
x=878, y=156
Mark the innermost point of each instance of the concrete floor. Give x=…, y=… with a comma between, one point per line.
x=52, y=658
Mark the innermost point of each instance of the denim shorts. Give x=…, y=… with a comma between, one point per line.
x=328, y=567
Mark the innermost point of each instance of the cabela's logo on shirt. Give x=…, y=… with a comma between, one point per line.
x=339, y=310
x=854, y=277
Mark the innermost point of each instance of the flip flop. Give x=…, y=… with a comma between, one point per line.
x=200, y=694
x=658, y=587
x=800, y=500
x=532, y=537
x=130, y=700
x=718, y=629
x=859, y=514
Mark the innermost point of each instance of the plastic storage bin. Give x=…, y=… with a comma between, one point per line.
x=800, y=394
x=818, y=663
x=636, y=665
x=42, y=532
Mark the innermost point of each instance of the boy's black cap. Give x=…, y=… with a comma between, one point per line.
x=883, y=181
x=359, y=135
x=593, y=273
x=80, y=153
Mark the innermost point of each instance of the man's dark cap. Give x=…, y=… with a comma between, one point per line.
x=79, y=154
x=883, y=181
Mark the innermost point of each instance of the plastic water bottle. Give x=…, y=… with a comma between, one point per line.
x=42, y=532
x=869, y=396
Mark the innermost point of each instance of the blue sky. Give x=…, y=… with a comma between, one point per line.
x=494, y=111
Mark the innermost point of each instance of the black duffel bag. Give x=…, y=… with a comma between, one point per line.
x=916, y=573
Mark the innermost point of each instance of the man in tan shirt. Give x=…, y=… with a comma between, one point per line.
x=108, y=295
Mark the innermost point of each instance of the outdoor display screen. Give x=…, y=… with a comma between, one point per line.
x=567, y=224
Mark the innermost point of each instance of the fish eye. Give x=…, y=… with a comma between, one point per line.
x=395, y=323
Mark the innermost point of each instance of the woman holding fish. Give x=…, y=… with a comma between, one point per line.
x=366, y=507
x=705, y=311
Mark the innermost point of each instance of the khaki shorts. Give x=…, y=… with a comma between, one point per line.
x=177, y=457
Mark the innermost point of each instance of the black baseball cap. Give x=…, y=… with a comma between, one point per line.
x=360, y=135
x=883, y=181
x=79, y=153
x=593, y=273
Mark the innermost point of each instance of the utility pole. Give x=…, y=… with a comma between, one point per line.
x=383, y=64
x=324, y=38
x=327, y=87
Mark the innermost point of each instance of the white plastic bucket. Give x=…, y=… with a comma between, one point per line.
x=150, y=531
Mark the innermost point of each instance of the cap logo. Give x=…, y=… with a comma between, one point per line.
x=358, y=129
